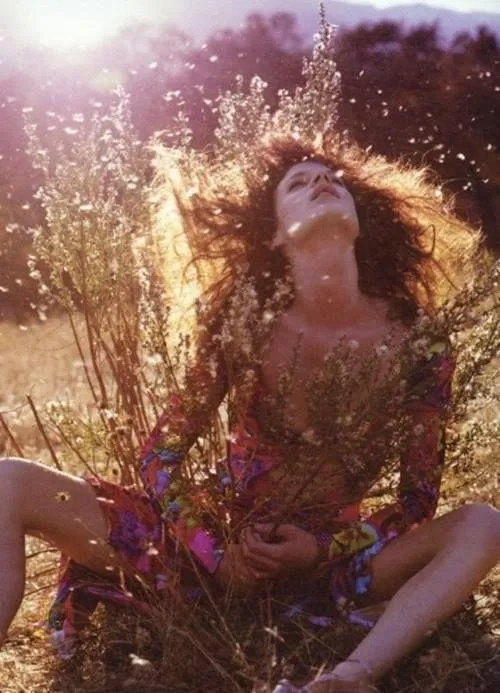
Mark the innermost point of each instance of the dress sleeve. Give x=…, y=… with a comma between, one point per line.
x=187, y=414
x=422, y=464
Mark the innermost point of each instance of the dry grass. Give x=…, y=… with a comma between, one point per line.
x=462, y=655
x=39, y=360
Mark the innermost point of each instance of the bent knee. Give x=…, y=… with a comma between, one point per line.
x=13, y=487
x=483, y=521
x=13, y=472
x=20, y=482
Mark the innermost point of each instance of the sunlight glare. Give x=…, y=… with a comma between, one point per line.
x=78, y=24
x=61, y=30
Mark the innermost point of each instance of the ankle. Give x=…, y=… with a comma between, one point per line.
x=354, y=670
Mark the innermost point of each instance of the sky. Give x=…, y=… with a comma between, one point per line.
x=79, y=23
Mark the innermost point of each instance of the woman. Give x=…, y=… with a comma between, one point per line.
x=354, y=272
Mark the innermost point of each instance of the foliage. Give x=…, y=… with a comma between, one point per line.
x=95, y=202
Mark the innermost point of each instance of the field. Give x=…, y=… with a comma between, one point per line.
x=462, y=655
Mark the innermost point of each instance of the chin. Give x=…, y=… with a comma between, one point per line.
x=331, y=224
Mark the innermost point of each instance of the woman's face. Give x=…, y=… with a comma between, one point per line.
x=311, y=196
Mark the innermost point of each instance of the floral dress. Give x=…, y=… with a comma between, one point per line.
x=164, y=536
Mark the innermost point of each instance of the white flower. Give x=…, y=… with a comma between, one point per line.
x=420, y=345
x=212, y=367
x=308, y=435
x=139, y=661
x=353, y=344
x=418, y=429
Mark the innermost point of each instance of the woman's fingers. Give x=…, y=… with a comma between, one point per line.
x=258, y=562
x=254, y=573
x=263, y=530
x=261, y=549
x=268, y=569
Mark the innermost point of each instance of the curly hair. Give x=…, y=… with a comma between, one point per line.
x=412, y=250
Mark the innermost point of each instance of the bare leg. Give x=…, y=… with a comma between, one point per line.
x=431, y=572
x=60, y=508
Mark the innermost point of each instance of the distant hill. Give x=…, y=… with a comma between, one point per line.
x=220, y=14
x=450, y=22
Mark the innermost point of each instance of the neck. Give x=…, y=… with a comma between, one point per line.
x=326, y=289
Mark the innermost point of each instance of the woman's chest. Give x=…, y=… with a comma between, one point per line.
x=292, y=362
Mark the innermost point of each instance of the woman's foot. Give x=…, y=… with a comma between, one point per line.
x=347, y=677
x=330, y=683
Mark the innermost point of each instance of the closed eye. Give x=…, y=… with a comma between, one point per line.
x=295, y=184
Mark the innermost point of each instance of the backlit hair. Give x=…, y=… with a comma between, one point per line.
x=412, y=250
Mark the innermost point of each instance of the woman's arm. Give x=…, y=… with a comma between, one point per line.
x=422, y=464
x=187, y=414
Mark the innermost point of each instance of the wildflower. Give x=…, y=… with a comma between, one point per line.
x=137, y=661
x=309, y=435
x=420, y=345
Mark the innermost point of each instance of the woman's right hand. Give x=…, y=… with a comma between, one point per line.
x=234, y=571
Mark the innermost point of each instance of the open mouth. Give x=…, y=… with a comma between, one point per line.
x=324, y=189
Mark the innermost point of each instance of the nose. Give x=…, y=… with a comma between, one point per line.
x=323, y=175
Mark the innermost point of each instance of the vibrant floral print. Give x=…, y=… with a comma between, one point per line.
x=159, y=531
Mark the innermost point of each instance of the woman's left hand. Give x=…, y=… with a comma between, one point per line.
x=291, y=550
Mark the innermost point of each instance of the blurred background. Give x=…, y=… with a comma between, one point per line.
x=418, y=81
